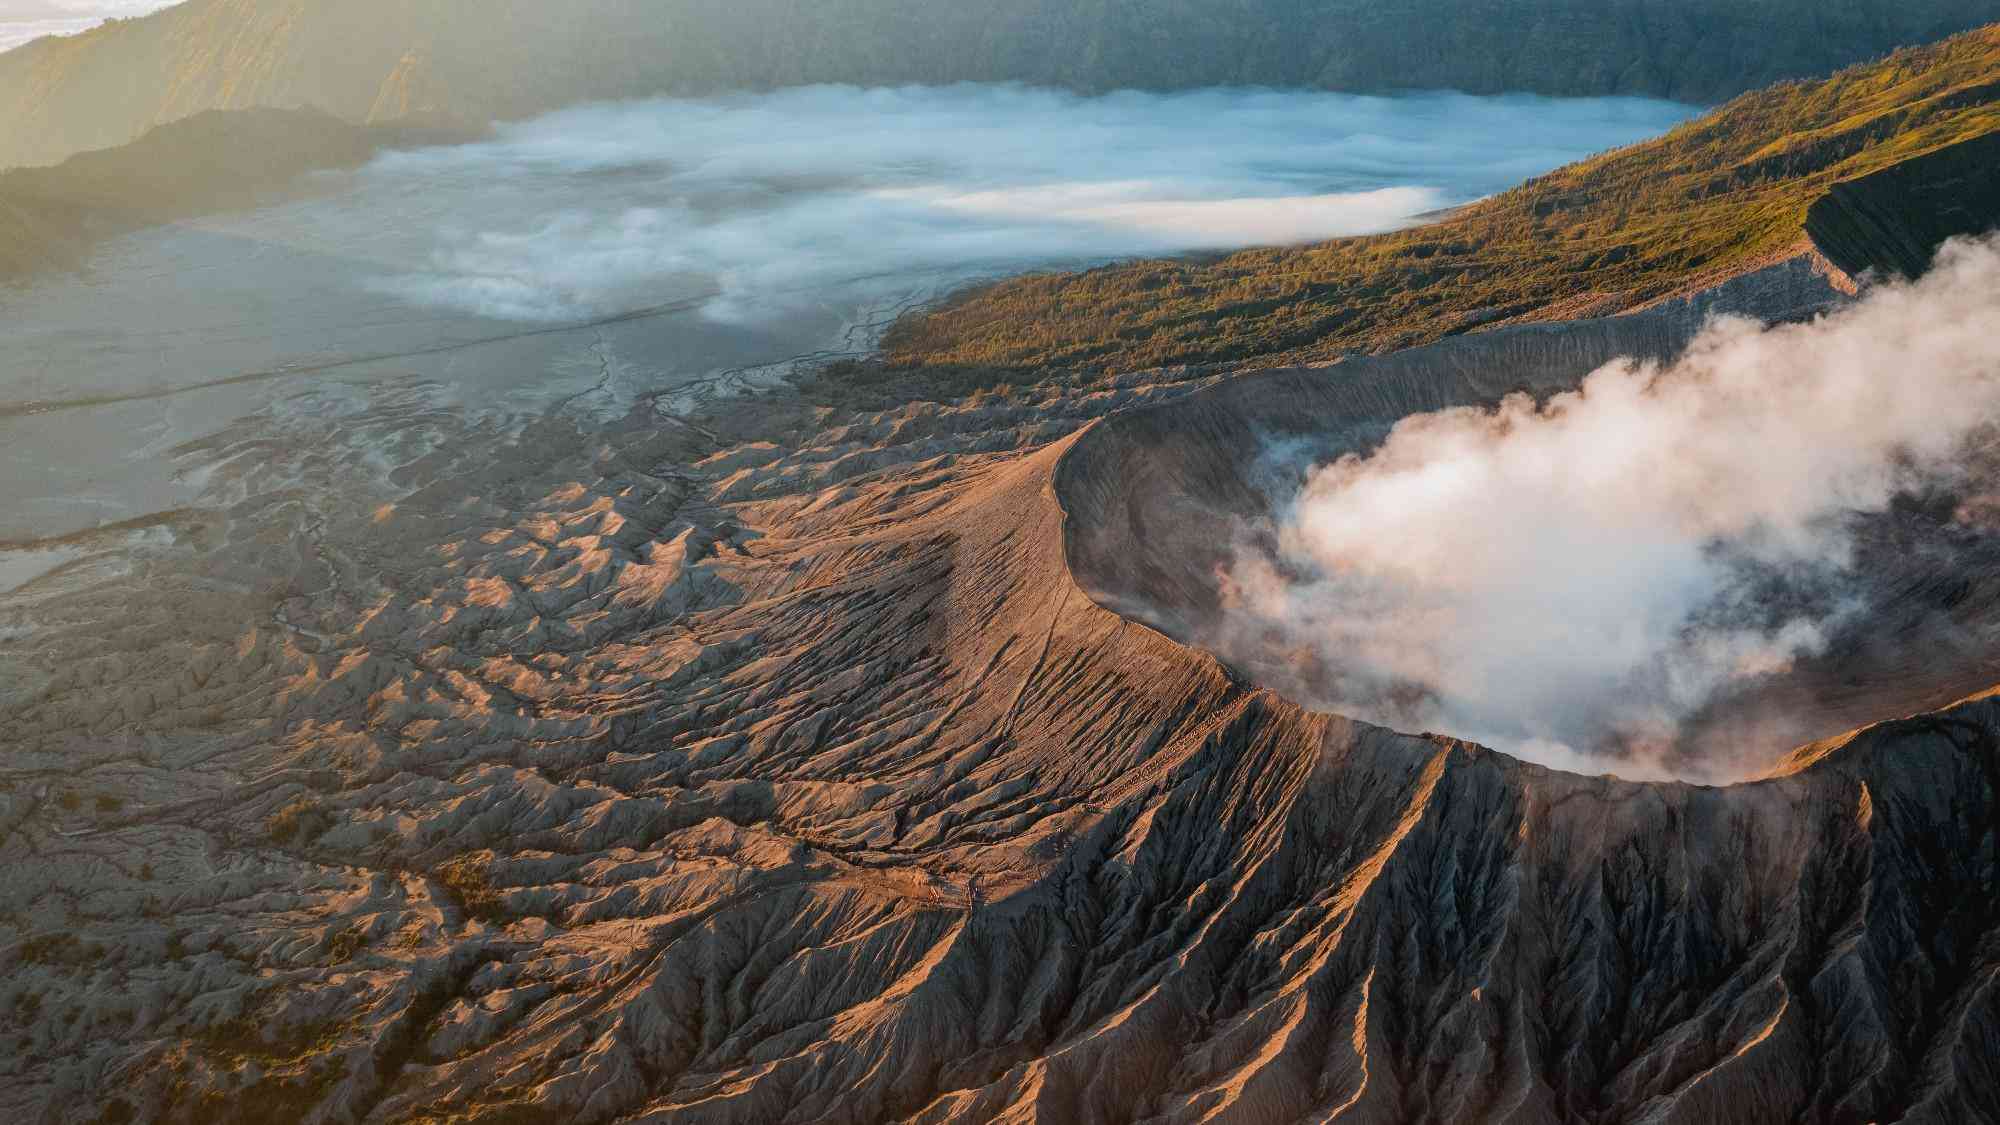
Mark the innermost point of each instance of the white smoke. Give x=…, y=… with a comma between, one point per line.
x=1560, y=577
x=813, y=195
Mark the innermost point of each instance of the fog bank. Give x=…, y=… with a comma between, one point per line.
x=1582, y=575
x=811, y=195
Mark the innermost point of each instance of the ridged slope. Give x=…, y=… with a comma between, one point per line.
x=589, y=782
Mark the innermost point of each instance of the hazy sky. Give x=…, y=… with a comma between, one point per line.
x=22, y=20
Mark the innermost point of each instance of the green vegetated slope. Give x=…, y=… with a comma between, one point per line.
x=488, y=59
x=215, y=161
x=1712, y=197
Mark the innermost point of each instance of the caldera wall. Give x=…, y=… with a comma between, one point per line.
x=1893, y=221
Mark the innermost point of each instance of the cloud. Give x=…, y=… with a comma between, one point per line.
x=24, y=20
x=1564, y=577
x=835, y=194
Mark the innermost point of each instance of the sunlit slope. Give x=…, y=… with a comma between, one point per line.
x=1712, y=198
x=494, y=58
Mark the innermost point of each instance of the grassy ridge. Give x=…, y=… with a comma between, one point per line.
x=1714, y=196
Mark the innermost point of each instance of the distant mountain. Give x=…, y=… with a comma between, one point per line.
x=486, y=59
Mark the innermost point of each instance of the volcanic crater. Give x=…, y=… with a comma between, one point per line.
x=836, y=782
x=1162, y=501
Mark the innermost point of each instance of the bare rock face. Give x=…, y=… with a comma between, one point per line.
x=650, y=774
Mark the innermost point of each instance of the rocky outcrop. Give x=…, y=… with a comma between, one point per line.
x=485, y=59
x=1893, y=221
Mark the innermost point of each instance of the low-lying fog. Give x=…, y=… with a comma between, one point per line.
x=579, y=261
x=808, y=196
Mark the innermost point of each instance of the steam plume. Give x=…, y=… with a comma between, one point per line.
x=1584, y=573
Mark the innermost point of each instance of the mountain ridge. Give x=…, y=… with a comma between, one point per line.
x=508, y=58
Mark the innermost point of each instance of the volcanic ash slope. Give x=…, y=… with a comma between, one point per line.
x=810, y=783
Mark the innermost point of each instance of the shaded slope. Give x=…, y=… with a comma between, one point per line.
x=483, y=59
x=1893, y=220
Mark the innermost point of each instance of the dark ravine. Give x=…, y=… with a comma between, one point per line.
x=1892, y=221
x=485, y=59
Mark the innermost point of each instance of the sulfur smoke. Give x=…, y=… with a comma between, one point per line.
x=1570, y=580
